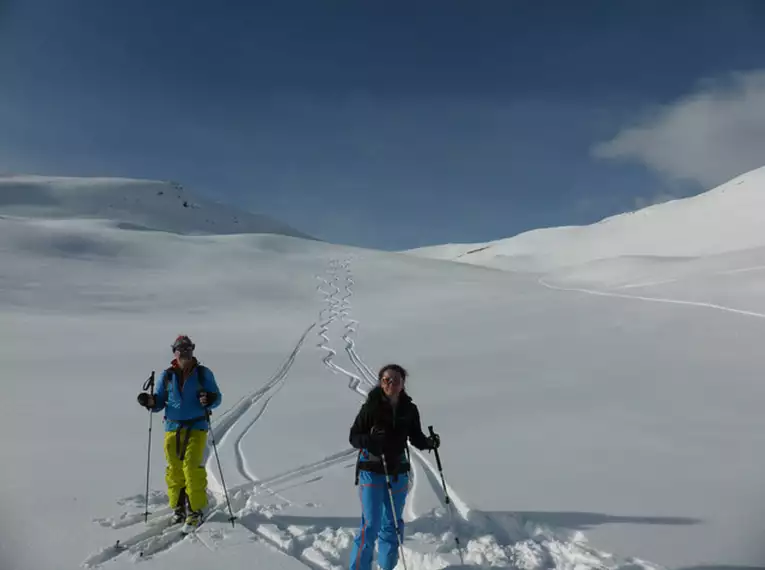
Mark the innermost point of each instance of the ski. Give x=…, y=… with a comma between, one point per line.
x=190, y=530
x=172, y=535
x=155, y=531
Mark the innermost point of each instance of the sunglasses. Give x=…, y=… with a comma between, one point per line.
x=388, y=380
x=183, y=347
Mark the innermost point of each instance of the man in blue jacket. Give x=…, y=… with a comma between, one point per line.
x=186, y=391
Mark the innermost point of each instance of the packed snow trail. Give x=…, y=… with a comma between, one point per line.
x=355, y=381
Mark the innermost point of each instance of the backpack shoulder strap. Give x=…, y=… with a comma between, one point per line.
x=169, y=372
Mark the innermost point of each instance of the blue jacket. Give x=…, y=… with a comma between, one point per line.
x=184, y=404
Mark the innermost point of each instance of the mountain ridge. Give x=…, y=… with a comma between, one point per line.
x=729, y=217
x=132, y=203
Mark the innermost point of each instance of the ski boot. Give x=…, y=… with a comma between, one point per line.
x=179, y=513
x=193, y=520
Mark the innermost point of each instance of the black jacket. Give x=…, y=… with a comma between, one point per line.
x=399, y=427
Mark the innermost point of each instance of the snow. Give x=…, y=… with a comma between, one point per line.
x=725, y=219
x=130, y=204
x=605, y=415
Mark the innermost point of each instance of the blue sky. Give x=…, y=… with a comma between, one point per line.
x=390, y=124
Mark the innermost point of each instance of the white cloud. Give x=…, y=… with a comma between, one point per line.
x=709, y=136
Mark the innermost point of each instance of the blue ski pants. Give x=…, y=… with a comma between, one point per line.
x=378, y=521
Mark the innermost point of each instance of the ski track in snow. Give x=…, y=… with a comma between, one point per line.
x=654, y=299
x=331, y=309
x=244, y=468
x=690, y=277
x=236, y=415
x=496, y=540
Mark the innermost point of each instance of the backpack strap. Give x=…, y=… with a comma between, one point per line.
x=169, y=373
x=202, y=374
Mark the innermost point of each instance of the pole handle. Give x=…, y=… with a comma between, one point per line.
x=438, y=457
x=149, y=384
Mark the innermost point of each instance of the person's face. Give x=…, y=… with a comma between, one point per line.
x=391, y=383
x=184, y=352
x=184, y=355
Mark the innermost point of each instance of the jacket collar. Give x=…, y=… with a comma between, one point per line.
x=377, y=396
x=175, y=365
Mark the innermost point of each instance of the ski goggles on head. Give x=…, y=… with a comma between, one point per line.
x=183, y=345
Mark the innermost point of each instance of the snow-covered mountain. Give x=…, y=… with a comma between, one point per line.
x=131, y=204
x=730, y=217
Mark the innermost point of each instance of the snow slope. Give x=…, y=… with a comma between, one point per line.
x=597, y=424
x=724, y=219
x=132, y=204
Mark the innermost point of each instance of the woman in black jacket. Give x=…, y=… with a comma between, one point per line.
x=387, y=419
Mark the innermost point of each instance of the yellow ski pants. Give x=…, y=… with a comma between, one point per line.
x=188, y=472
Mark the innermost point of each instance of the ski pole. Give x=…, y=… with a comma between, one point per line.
x=148, y=385
x=447, y=500
x=217, y=459
x=393, y=510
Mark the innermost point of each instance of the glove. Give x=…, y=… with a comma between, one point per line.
x=146, y=400
x=434, y=441
x=206, y=398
